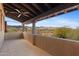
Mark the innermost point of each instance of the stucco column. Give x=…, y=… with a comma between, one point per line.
x=2, y=22
x=0, y=18
x=33, y=28
x=2, y=25
x=33, y=31
x=5, y=26
x=23, y=27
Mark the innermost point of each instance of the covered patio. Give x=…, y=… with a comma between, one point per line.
x=32, y=44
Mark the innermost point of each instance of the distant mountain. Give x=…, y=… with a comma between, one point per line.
x=15, y=26
x=42, y=27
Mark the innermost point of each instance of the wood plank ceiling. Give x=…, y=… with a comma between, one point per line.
x=34, y=9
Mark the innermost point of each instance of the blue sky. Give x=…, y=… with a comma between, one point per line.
x=11, y=21
x=70, y=20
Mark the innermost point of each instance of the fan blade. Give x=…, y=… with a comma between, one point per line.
x=12, y=12
x=17, y=10
x=26, y=15
x=19, y=15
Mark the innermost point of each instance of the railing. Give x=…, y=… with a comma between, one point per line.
x=53, y=45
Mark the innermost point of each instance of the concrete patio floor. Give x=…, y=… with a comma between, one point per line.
x=21, y=47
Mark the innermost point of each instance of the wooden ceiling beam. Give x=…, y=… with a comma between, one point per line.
x=36, y=6
x=12, y=7
x=12, y=18
x=9, y=6
x=7, y=9
x=18, y=6
x=52, y=12
x=31, y=13
x=15, y=18
x=48, y=6
x=28, y=7
x=15, y=5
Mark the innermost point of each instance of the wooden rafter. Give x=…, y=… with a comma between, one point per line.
x=28, y=7
x=38, y=11
x=36, y=6
x=52, y=12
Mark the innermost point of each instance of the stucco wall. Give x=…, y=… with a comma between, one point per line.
x=13, y=35
x=1, y=38
x=56, y=46
x=2, y=27
x=28, y=36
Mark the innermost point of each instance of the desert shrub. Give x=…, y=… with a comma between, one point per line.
x=76, y=34
x=73, y=34
x=61, y=32
x=68, y=33
x=12, y=30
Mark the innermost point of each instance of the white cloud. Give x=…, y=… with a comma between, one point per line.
x=68, y=22
x=59, y=22
x=11, y=21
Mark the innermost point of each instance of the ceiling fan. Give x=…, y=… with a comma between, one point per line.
x=20, y=13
